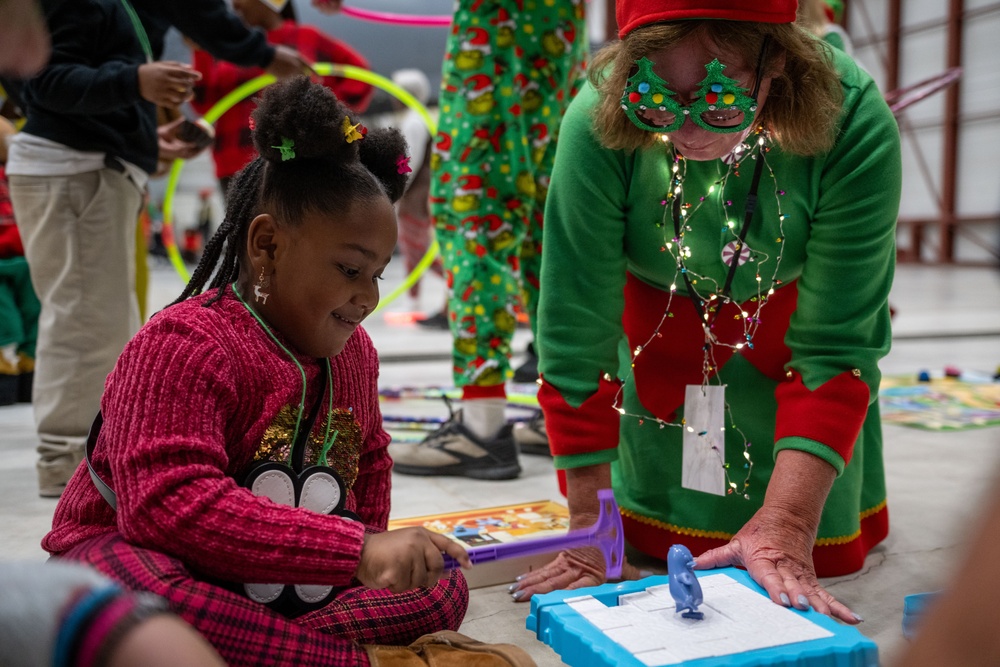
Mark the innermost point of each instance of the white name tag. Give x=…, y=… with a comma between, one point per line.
x=704, y=413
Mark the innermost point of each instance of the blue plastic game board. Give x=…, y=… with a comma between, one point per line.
x=582, y=644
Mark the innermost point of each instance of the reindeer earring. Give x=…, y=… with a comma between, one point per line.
x=263, y=282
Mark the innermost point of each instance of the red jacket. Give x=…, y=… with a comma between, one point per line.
x=233, y=147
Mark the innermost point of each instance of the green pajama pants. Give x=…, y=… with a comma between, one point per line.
x=510, y=71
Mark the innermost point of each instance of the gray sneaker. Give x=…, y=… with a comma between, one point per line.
x=531, y=437
x=455, y=450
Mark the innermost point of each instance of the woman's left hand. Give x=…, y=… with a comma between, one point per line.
x=775, y=547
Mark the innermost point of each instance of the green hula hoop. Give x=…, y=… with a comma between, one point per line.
x=254, y=85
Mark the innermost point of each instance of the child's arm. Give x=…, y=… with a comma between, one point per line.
x=70, y=84
x=173, y=402
x=216, y=29
x=398, y=559
x=84, y=77
x=217, y=80
x=373, y=484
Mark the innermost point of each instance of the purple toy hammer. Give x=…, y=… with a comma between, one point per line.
x=606, y=535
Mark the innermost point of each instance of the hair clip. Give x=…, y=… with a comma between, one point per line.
x=403, y=164
x=352, y=132
x=252, y=124
x=287, y=149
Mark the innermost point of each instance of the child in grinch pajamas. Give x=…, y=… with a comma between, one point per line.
x=510, y=70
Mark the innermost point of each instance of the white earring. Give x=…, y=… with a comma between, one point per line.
x=263, y=282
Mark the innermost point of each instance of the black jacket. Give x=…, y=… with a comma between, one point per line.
x=87, y=97
x=210, y=24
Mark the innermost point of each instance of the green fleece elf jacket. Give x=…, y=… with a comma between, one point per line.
x=808, y=377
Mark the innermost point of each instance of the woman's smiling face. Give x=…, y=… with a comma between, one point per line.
x=682, y=66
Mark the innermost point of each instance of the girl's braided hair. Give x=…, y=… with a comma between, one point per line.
x=305, y=164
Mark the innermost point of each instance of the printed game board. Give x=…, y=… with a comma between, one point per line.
x=943, y=404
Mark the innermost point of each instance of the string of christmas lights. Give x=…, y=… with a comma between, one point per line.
x=711, y=301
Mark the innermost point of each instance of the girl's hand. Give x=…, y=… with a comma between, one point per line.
x=407, y=558
x=775, y=547
x=576, y=568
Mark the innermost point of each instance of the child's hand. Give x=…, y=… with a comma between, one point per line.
x=406, y=558
x=327, y=6
x=172, y=147
x=288, y=62
x=166, y=83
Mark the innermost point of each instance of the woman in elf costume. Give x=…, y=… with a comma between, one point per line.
x=717, y=257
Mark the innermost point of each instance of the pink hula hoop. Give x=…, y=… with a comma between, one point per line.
x=399, y=19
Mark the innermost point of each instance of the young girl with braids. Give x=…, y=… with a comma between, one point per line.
x=260, y=376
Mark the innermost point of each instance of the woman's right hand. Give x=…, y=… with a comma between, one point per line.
x=575, y=568
x=407, y=558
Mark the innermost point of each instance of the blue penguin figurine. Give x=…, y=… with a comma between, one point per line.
x=684, y=586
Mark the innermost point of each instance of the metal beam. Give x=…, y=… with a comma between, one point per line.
x=927, y=26
x=952, y=129
x=610, y=21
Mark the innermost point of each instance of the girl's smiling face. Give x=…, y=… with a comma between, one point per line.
x=324, y=272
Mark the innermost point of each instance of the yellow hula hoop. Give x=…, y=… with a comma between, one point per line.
x=249, y=88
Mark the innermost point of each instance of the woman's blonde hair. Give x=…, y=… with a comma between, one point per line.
x=802, y=106
x=812, y=16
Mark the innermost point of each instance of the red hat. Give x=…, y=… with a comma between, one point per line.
x=478, y=39
x=503, y=19
x=478, y=84
x=469, y=184
x=632, y=14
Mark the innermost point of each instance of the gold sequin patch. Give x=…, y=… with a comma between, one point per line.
x=276, y=443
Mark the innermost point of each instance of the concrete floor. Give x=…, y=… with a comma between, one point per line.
x=935, y=480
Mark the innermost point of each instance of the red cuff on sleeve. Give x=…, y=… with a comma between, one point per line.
x=590, y=428
x=472, y=391
x=832, y=414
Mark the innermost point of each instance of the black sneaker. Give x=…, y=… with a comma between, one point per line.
x=531, y=437
x=455, y=450
x=438, y=321
x=8, y=389
x=24, y=384
x=528, y=371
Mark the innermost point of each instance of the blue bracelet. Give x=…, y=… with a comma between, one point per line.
x=76, y=620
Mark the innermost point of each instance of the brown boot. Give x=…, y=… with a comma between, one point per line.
x=448, y=649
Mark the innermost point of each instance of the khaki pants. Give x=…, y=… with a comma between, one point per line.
x=79, y=240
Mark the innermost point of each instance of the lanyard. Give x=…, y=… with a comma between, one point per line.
x=139, y=30
x=748, y=211
x=297, y=454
